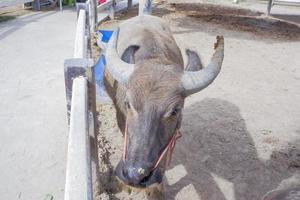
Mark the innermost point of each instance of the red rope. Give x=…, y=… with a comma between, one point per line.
x=125, y=141
x=169, y=148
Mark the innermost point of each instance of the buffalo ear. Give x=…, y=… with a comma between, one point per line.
x=128, y=55
x=195, y=81
x=194, y=62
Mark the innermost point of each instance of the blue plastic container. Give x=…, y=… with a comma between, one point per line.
x=100, y=66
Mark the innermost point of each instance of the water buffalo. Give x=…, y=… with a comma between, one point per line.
x=146, y=79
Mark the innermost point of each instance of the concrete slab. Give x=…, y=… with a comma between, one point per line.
x=33, y=120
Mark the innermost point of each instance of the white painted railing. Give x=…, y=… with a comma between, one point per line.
x=80, y=50
x=79, y=167
x=78, y=174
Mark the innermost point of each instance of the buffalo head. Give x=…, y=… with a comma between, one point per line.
x=154, y=86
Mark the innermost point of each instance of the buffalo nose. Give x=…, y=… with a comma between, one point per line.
x=135, y=174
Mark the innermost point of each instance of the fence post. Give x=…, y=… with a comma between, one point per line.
x=129, y=4
x=73, y=68
x=270, y=4
x=145, y=6
x=36, y=5
x=93, y=15
x=112, y=9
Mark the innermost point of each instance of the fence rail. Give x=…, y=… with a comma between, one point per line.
x=78, y=174
x=80, y=50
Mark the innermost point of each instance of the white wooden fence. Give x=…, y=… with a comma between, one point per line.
x=78, y=79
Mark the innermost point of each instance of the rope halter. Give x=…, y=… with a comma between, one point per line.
x=167, y=150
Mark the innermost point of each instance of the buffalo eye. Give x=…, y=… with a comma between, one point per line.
x=127, y=104
x=175, y=112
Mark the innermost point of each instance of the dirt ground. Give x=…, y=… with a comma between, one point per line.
x=9, y=13
x=241, y=135
x=13, y=12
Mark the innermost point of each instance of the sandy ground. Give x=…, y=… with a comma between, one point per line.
x=9, y=13
x=241, y=135
x=33, y=120
x=12, y=12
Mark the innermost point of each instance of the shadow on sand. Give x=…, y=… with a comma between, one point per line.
x=216, y=143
